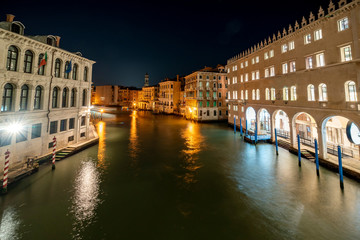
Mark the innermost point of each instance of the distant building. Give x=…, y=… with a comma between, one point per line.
x=206, y=94
x=41, y=93
x=107, y=95
x=169, y=96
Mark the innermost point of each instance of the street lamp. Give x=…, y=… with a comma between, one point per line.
x=14, y=128
x=101, y=110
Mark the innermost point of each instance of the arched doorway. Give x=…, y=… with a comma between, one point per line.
x=305, y=126
x=282, y=125
x=250, y=118
x=340, y=131
x=264, y=122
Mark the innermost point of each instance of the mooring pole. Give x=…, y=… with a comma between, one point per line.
x=6, y=171
x=256, y=133
x=246, y=132
x=317, y=158
x=241, y=130
x=276, y=143
x=234, y=124
x=299, y=150
x=340, y=169
x=54, y=153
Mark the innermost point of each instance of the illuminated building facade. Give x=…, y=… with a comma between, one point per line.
x=45, y=92
x=303, y=80
x=169, y=96
x=205, y=92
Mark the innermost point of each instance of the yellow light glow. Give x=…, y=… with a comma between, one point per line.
x=101, y=110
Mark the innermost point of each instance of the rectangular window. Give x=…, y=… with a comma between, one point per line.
x=271, y=53
x=200, y=104
x=257, y=59
x=241, y=78
x=346, y=53
x=63, y=125
x=214, y=104
x=291, y=45
x=53, y=127
x=284, y=48
x=318, y=35
x=257, y=74
x=71, y=123
x=219, y=104
x=71, y=138
x=219, y=112
x=82, y=134
x=83, y=122
x=292, y=65
x=320, y=60
x=253, y=61
x=307, y=39
x=208, y=112
x=272, y=71
x=266, y=55
x=246, y=63
x=253, y=76
x=242, y=65
x=343, y=24
x=246, y=77
x=284, y=68
x=207, y=103
x=308, y=62
x=36, y=131
x=22, y=135
x=267, y=73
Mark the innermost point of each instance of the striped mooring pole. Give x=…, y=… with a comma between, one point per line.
x=6, y=171
x=276, y=143
x=299, y=150
x=53, y=155
x=340, y=168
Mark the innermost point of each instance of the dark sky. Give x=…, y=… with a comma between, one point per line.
x=164, y=38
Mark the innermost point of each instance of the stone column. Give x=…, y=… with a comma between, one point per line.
x=321, y=131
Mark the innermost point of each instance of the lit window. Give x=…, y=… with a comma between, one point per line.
x=273, y=94
x=308, y=62
x=293, y=93
x=346, y=53
x=292, y=66
x=253, y=95
x=266, y=55
x=257, y=74
x=234, y=94
x=285, y=94
x=318, y=35
x=242, y=65
x=257, y=94
x=320, y=60
x=267, y=72
x=246, y=63
x=227, y=71
x=284, y=48
x=307, y=39
x=257, y=59
x=246, y=94
x=350, y=91
x=242, y=94
x=253, y=76
x=272, y=71
x=246, y=77
x=267, y=94
x=271, y=53
x=253, y=61
x=311, y=92
x=343, y=24
x=242, y=78
x=322, y=92
x=291, y=45
x=284, y=68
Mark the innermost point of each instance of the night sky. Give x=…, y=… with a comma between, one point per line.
x=164, y=38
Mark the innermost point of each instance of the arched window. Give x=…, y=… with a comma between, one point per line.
x=57, y=67
x=28, y=61
x=73, y=98
x=246, y=95
x=350, y=91
x=257, y=94
x=74, y=72
x=12, y=58
x=15, y=28
x=242, y=94
x=311, y=92
x=55, y=97
x=65, y=94
x=41, y=69
x=286, y=94
x=51, y=41
x=7, y=98
x=273, y=94
x=267, y=94
x=293, y=93
x=253, y=95
x=84, y=98
x=66, y=73
x=24, y=97
x=85, y=74
x=37, y=97
x=323, y=92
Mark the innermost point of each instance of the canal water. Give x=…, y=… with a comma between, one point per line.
x=162, y=177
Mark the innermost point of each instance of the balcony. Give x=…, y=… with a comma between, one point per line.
x=199, y=88
x=199, y=98
x=208, y=88
x=208, y=98
x=215, y=98
x=214, y=89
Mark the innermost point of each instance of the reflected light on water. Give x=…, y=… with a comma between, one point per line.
x=86, y=196
x=134, y=142
x=193, y=144
x=9, y=225
x=102, y=146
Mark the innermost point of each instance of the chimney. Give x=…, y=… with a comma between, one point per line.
x=177, y=77
x=57, y=41
x=9, y=17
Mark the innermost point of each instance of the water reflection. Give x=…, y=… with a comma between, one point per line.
x=193, y=143
x=134, y=141
x=86, y=197
x=9, y=225
x=102, y=145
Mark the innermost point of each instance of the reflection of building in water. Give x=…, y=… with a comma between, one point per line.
x=193, y=144
x=102, y=146
x=134, y=142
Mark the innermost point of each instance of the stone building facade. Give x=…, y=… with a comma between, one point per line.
x=41, y=102
x=205, y=92
x=169, y=97
x=302, y=79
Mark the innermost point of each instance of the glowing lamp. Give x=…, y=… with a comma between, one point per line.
x=14, y=128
